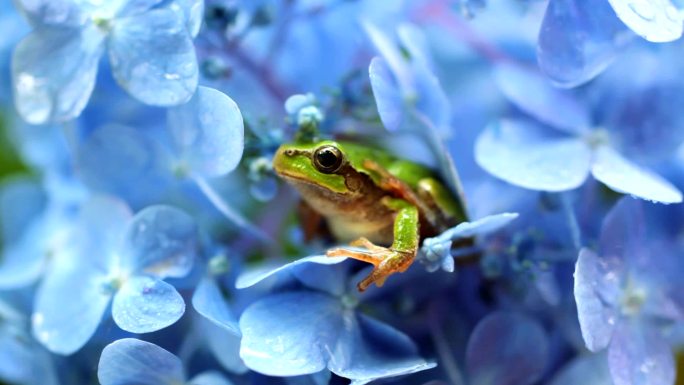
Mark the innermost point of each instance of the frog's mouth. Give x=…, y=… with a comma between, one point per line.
x=296, y=168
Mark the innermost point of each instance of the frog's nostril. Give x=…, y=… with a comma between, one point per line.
x=289, y=152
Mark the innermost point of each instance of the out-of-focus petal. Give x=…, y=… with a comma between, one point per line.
x=525, y=155
x=152, y=57
x=69, y=306
x=145, y=304
x=291, y=333
x=209, y=378
x=389, y=50
x=639, y=355
x=194, y=14
x=533, y=94
x=387, y=97
x=21, y=200
x=67, y=13
x=623, y=232
x=481, y=226
x=225, y=345
x=53, y=73
x=161, y=241
x=578, y=39
x=625, y=177
x=588, y=369
x=597, y=318
x=368, y=350
x=658, y=21
x=506, y=349
x=208, y=131
x=131, y=361
x=210, y=303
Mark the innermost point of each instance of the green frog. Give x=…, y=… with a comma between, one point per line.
x=385, y=206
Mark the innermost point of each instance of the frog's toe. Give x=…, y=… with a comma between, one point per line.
x=365, y=256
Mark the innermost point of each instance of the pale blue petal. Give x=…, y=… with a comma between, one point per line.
x=532, y=93
x=194, y=14
x=209, y=378
x=657, y=21
x=298, y=101
x=579, y=39
x=124, y=8
x=482, y=226
x=506, y=349
x=368, y=349
x=21, y=201
x=70, y=13
x=53, y=73
x=22, y=263
x=623, y=232
x=152, y=57
x=208, y=132
x=387, y=97
x=145, y=304
x=638, y=355
x=588, y=369
x=122, y=161
x=291, y=333
x=102, y=221
x=225, y=345
x=162, y=241
x=131, y=361
x=389, y=50
x=626, y=177
x=524, y=155
x=69, y=306
x=320, y=378
x=251, y=278
x=15, y=356
x=597, y=318
x=210, y=303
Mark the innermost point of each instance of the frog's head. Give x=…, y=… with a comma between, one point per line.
x=319, y=164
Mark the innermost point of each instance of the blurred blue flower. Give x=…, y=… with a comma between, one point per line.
x=131, y=361
x=113, y=254
x=558, y=154
x=149, y=44
x=310, y=329
x=624, y=297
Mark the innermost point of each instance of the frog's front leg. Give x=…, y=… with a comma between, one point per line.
x=388, y=260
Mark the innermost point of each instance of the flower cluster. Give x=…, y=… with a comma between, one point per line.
x=147, y=237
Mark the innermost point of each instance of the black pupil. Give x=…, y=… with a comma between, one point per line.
x=327, y=158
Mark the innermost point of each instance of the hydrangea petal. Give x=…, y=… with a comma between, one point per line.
x=21, y=200
x=131, y=361
x=145, y=304
x=15, y=357
x=21, y=264
x=210, y=303
x=596, y=317
x=55, y=12
x=521, y=154
x=482, y=226
x=657, y=21
x=368, y=350
x=578, y=39
x=625, y=177
x=209, y=378
x=639, y=355
x=162, y=241
x=101, y=223
x=387, y=96
x=389, y=50
x=532, y=93
x=251, y=278
x=152, y=57
x=121, y=161
x=291, y=333
x=225, y=345
x=623, y=232
x=588, y=369
x=208, y=132
x=194, y=14
x=69, y=306
x=53, y=73
x=521, y=362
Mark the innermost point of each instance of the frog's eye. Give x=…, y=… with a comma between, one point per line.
x=327, y=159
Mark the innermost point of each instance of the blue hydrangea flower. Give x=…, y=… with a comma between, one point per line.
x=317, y=327
x=580, y=38
x=558, y=154
x=624, y=296
x=114, y=255
x=131, y=361
x=149, y=44
x=522, y=361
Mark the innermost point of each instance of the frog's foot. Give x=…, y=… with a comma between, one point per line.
x=386, y=261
